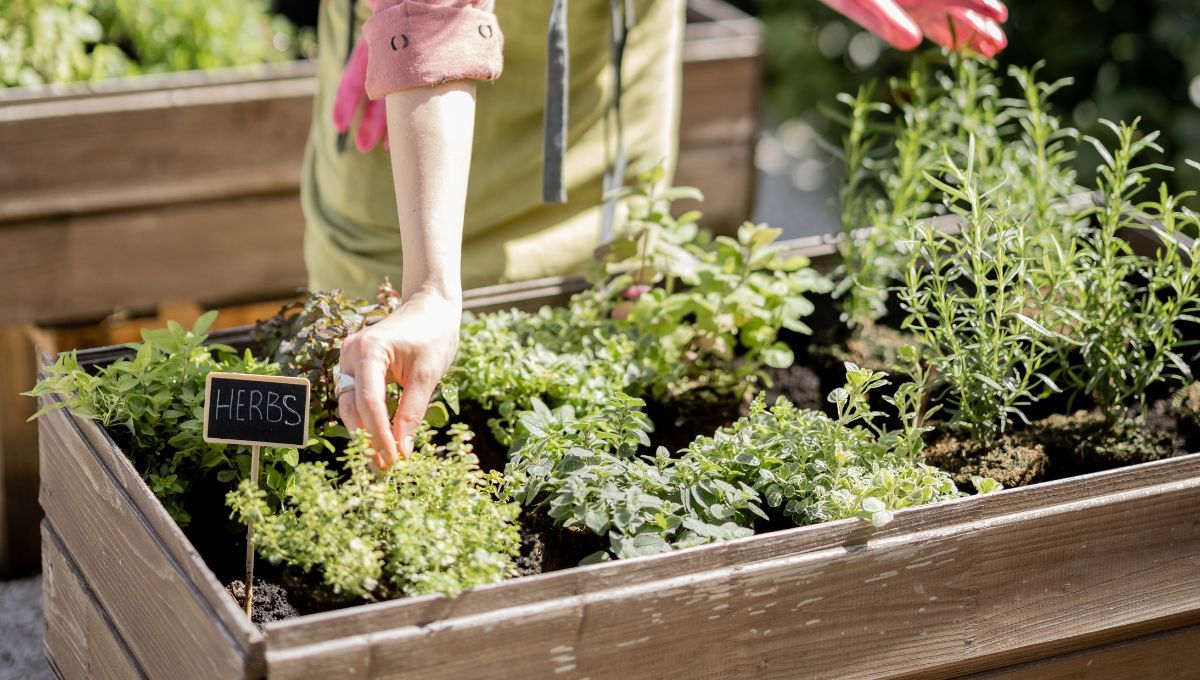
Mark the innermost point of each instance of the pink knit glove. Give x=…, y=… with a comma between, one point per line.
x=901, y=23
x=352, y=95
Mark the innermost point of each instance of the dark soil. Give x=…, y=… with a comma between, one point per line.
x=547, y=547
x=1085, y=442
x=679, y=420
x=270, y=601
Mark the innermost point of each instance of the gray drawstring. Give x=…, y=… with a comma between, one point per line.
x=614, y=176
x=558, y=65
x=556, y=115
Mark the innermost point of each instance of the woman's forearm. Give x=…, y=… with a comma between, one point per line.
x=430, y=130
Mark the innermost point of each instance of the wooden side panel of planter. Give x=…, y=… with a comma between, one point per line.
x=161, y=598
x=951, y=589
x=1163, y=656
x=207, y=251
x=81, y=637
x=19, y=512
x=718, y=126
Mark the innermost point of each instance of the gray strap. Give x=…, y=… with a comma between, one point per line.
x=558, y=67
x=614, y=175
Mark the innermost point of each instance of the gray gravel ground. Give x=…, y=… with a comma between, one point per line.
x=21, y=656
x=795, y=193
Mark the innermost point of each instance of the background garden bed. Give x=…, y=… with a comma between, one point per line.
x=1064, y=571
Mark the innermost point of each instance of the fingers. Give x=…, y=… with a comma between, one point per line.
x=957, y=28
x=347, y=401
x=370, y=398
x=373, y=126
x=414, y=402
x=989, y=9
x=351, y=89
x=884, y=18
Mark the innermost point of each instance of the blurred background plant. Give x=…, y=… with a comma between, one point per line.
x=1128, y=58
x=59, y=41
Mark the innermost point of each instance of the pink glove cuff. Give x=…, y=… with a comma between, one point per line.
x=413, y=44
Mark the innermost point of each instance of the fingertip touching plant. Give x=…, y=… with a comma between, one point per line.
x=430, y=525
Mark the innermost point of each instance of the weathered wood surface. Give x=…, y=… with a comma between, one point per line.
x=163, y=600
x=1172, y=655
x=945, y=590
x=80, y=636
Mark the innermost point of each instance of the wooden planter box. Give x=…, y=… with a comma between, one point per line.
x=182, y=165
x=1096, y=576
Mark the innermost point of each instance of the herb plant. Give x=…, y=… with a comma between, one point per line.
x=59, y=41
x=431, y=525
x=155, y=400
x=1124, y=308
x=589, y=472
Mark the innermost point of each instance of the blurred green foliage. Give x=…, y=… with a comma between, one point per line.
x=58, y=41
x=1128, y=58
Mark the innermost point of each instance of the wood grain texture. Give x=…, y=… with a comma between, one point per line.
x=944, y=590
x=151, y=144
x=1172, y=655
x=162, y=599
x=80, y=636
x=209, y=252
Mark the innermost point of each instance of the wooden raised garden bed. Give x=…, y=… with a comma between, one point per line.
x=1094, y=576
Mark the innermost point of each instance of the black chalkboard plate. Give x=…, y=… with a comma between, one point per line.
x=266, y=410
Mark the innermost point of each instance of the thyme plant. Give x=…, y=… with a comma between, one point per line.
x=431, y=525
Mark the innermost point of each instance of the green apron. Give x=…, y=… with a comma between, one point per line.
x=352, y=237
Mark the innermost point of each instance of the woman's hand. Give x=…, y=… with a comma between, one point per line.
x=413, y=346
x=953, y=24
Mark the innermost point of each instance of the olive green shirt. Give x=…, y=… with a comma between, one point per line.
x=352, y=237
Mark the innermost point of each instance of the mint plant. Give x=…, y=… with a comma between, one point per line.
x=155, y=401
x=431, y=525
x=706, y=302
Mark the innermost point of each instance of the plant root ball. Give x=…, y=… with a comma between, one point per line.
x=1011, y=462
x=1085, y=442
x=270, y=601
x=1186, y=405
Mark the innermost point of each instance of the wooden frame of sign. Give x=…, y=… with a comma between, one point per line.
x=303, y=413
x=1092, y=577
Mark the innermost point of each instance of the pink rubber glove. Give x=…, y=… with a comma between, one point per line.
x=352, y=95
x=902, y=23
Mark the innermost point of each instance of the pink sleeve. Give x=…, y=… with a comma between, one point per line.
x=413, y=43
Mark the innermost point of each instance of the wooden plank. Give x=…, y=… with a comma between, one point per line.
x=19, y=511
x=162, y=598
x=1069, y=523
x=144, y=148
x=80, y=637
x=60, y=270
x=1171, y=655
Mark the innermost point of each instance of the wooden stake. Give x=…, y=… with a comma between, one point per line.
x=250, y=535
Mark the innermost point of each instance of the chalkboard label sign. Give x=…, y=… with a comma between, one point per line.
x=265, y=410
